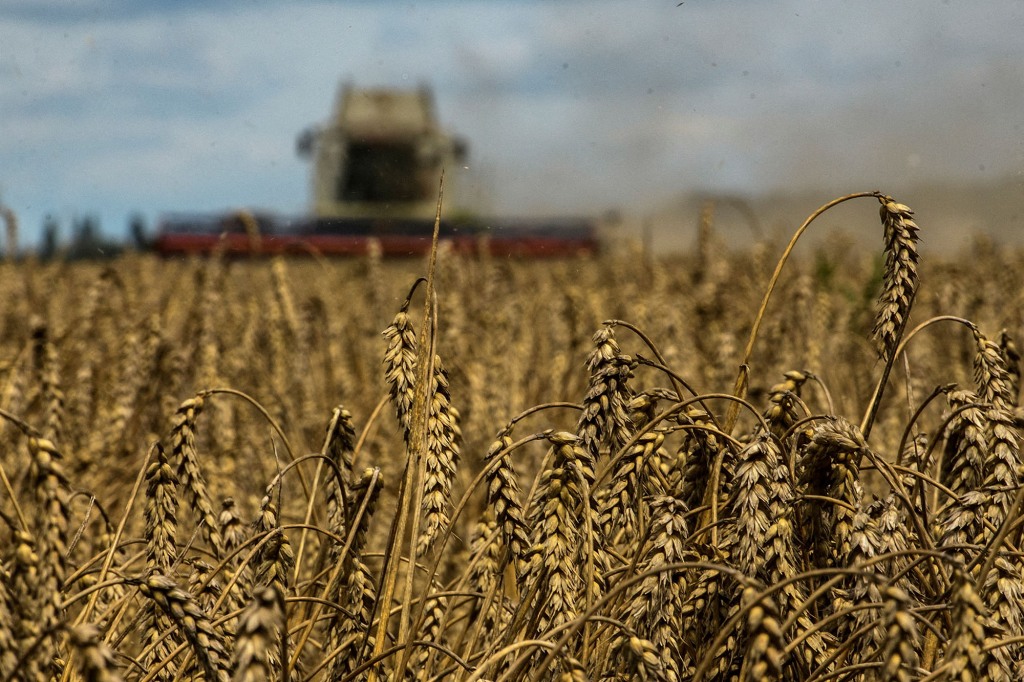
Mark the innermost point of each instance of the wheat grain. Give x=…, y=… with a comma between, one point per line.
x=1003, y=595
x=620, y=569
x=622, y=507
x=484, y=559
x=962, y=524
x=338, y=446
x=699, y=450
x=760, y=473
x=1002, y=466
x=51, y=521
x=276, y=558
x=161, y=513
x=24, y=581
x=646, y=663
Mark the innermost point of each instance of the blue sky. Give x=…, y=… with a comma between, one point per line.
x=107, y=108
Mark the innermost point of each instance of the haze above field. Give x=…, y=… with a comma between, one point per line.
x=110, y=108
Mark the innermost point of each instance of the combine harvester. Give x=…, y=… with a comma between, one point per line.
x=376, y=170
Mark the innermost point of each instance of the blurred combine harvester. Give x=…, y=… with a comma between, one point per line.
x=381, y=155
x=376, y=170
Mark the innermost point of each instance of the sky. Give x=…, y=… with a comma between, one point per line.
x=120, y=107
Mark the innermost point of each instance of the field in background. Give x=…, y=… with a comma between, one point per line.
x=223, y=469
x=957, y=215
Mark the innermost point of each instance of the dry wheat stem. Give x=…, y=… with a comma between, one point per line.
x=353, y=532
x=772, y=283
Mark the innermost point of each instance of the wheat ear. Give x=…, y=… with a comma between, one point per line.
x=256, y=635
x=195, y=625
x=95, y=659
x=900, y=279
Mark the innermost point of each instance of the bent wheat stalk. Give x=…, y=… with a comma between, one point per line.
x=740, y=390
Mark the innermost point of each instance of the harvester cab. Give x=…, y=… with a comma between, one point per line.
x=380, y=155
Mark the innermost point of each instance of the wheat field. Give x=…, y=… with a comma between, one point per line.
x=744, y=463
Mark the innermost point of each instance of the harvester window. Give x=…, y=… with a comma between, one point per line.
x=380, y=172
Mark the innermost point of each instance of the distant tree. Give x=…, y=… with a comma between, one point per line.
x=48, y=248
x=137, y=228
x=88, y=243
